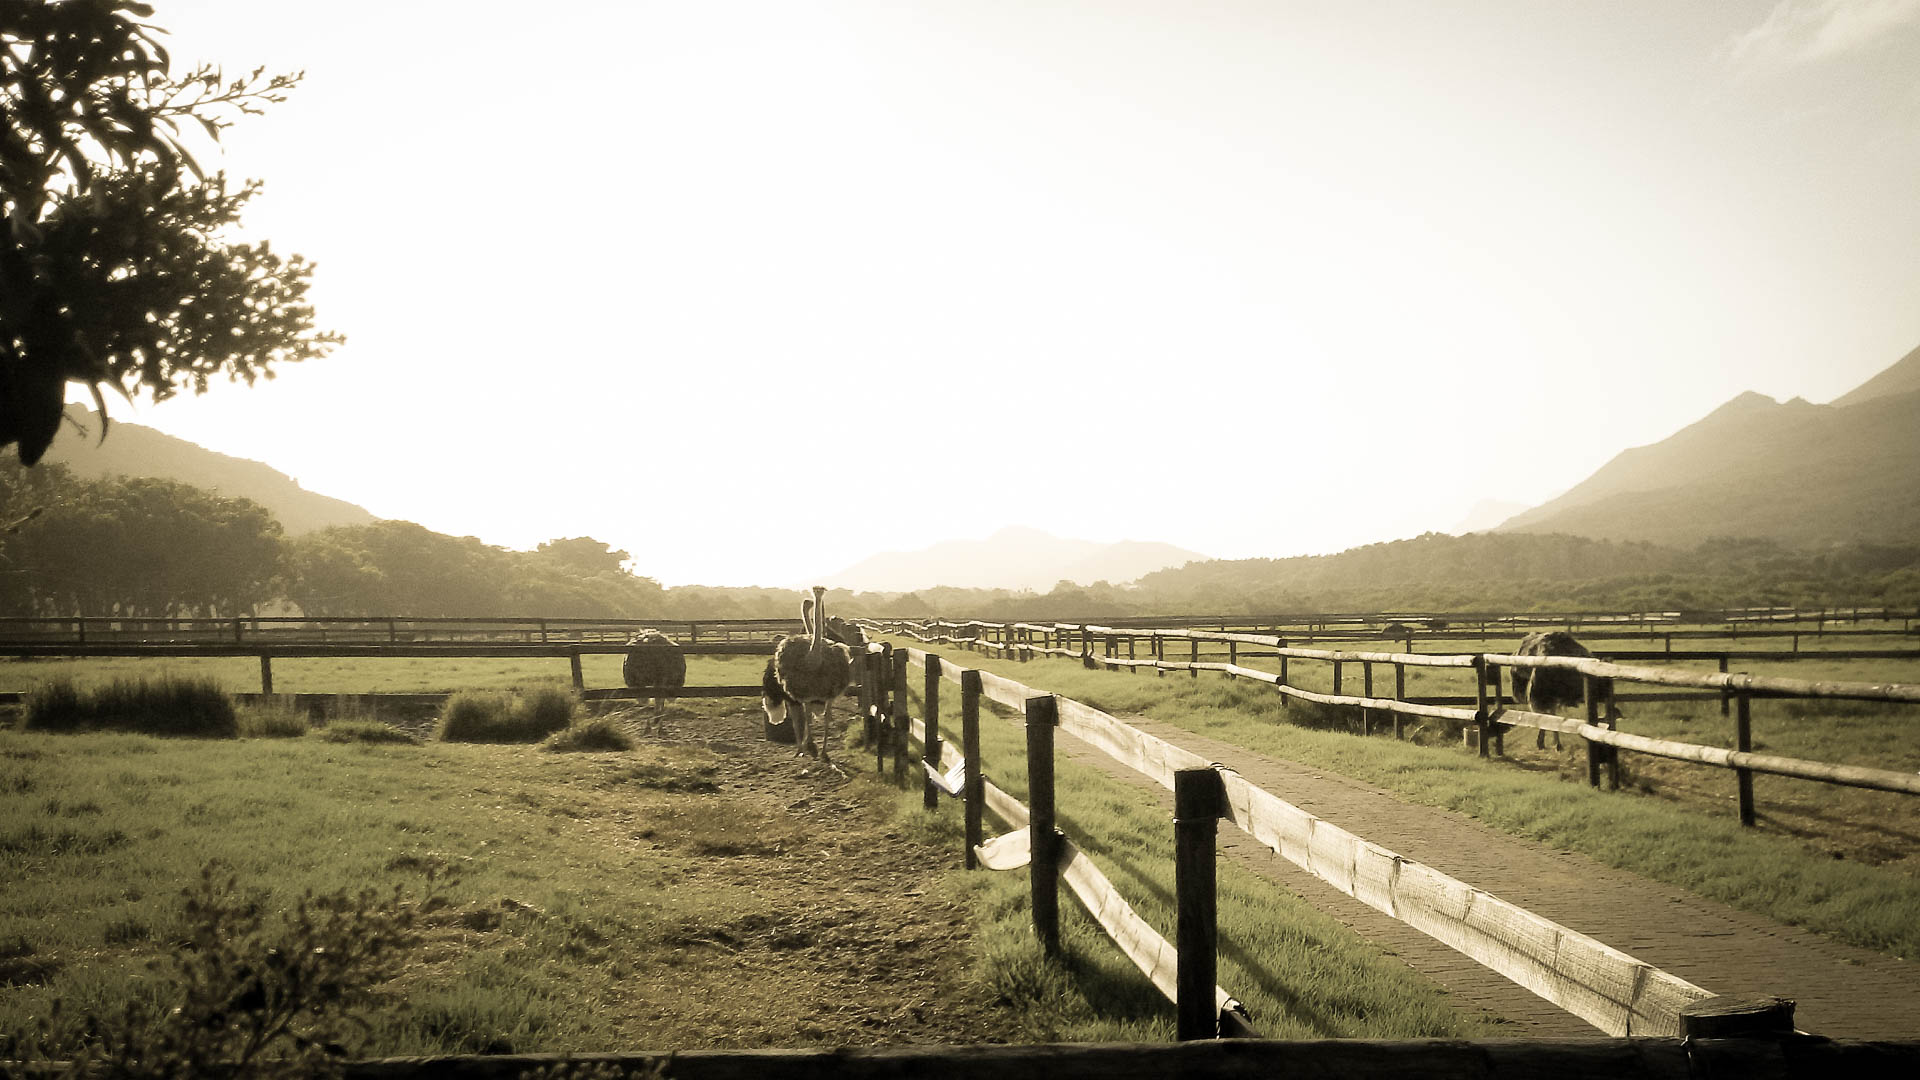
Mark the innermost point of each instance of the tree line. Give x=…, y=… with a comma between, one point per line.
x=141, y=547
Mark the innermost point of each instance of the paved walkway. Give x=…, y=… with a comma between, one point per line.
x=1842, y=991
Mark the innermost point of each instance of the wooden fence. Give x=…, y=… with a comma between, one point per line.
x=267, y=653
x=1613, y=991
x=393, y=629
x=1300, y=627
x=1489, y=715
x=1772, y=1054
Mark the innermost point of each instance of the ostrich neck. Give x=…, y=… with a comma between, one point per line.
x=819, y=623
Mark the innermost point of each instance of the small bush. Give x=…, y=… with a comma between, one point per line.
x=548, y=709
x=498, y=718
x=271, y=722
x=365, y=731
x=168, y=705
x=245, y=996
x=603, y=734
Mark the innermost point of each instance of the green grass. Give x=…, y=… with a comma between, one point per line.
x=600, y=735
x=168, y=705
x=1301, y=973
x=99, y=833
x=480, y=716
x=1706, y=851
x=365, y=675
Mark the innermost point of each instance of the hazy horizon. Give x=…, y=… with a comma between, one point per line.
x=1252, y=279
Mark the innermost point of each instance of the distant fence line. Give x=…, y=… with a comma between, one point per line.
x=1611, y=990
x=1488, y=717
x=1326, y=626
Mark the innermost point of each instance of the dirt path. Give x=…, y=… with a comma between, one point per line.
x=1842, y=991
x=840, y=932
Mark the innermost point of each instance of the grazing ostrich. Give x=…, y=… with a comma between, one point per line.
x=654, y=663
x=1548, y=690
x=812, y=671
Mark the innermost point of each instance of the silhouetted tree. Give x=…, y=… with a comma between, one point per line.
x=112, y=267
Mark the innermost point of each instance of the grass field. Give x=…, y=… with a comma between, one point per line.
x=1688, y=838
x=673, y=896
x=421, y=675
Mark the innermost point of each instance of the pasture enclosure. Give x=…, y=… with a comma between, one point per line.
x=1491, y=714
x=1609, y=989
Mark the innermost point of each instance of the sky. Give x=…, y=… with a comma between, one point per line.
x=755, y=290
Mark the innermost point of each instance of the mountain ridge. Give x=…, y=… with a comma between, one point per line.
x=136, y=450
x=1790, y=471
x=1015, y=557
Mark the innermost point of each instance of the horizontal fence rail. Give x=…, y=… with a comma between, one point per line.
x=1488, y=716
x=1605, y=987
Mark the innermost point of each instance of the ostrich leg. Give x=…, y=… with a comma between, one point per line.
x=826, y=730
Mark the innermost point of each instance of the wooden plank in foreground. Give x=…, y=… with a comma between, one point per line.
x=1791, y=1057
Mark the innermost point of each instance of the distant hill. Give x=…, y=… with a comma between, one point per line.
x=1902, y=378
x=1792, y=471
x=1013, y=558
x=135, y=450
x=1486, y=514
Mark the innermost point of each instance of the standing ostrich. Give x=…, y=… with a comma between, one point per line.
x=654, y=663
x=812, y=671
x=1548, y=690
x=784, y=712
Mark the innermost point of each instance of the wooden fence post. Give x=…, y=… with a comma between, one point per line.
x=1493, y=700
x=579, y=680
x=863, y=671
x=976, y=790
x=1480, y=714
x=1726, y=698
x=1366, y=691
x=1086, y=647
x=930, y=794
x=1044, y=866
x=1197, y=798
x=1743, y=742
x=902, y=722
x=1193, y=656
x=1286, y=700
x=1399, y=694
x=239, y=630
x=883, y=682
x=1591, y=691
x=266, y=674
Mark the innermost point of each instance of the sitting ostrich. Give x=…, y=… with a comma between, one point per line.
x=811, y=672
x=1548, y=690
x=654, y=663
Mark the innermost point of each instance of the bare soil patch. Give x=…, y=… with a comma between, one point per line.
x=854, y=931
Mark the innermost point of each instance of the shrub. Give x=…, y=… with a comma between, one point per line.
x=548, y=709
x=497, y=718
x=169, y=705
x=472, y=716
x=365, y=731
x=603, y=734
x=245, y=996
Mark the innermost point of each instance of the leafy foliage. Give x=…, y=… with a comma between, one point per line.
x=112, y=266
x=245, y=996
